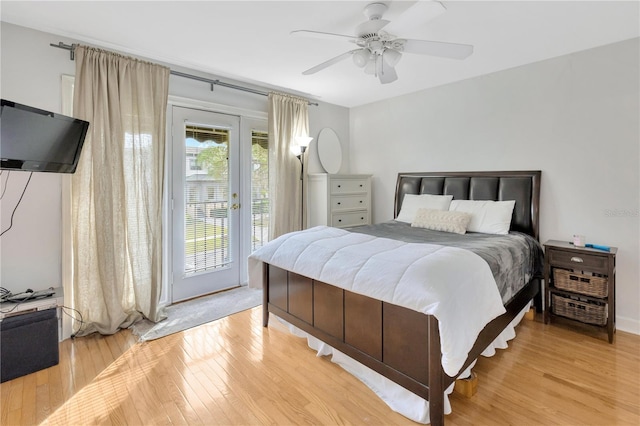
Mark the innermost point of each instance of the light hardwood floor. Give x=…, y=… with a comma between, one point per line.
x=233, y=371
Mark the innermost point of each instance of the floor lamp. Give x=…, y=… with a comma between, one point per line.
x=303, y=143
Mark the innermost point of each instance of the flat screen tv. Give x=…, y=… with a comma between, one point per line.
x=35, y=140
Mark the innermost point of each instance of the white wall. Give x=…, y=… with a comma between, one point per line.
x=30, y=255
x=337, y=118
x=575, y=117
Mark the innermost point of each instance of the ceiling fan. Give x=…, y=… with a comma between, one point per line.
x=379, y=51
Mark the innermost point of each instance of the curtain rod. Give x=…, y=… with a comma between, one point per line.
x=72, y=47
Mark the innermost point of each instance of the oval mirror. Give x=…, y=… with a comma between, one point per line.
x=329, y=150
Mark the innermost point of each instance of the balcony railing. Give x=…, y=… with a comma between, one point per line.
x=207, y=244
x=259, y=222
x=206, y=236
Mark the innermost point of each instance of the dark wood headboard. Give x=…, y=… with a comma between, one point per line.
x=521, y=186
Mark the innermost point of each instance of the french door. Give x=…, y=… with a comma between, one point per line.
x=205, y=202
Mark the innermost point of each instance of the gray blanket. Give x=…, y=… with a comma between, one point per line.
x=514, y=258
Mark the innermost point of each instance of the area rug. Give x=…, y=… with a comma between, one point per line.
x=185, y=315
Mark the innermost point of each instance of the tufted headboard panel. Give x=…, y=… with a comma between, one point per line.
x=521, y=186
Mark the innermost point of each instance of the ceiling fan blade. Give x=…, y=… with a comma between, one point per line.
x=417, y=14
x=386, y=74
x=322, y=35
x=330, y=62
x=438, y=48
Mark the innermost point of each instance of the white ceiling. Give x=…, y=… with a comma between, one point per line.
x=249, y=41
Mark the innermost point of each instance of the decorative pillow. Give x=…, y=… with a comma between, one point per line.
x=439, y=220
x=489, y=217
x=411, y=203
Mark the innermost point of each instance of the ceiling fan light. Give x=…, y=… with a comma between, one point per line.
x=371, y=66
x=361, y=57
x=391, y=57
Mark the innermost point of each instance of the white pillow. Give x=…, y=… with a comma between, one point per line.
x=439, y=220
x=489, y=217
x=411, y=203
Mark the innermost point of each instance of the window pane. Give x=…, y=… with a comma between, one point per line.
x=206, y=200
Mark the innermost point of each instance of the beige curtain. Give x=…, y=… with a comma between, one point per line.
x=288, y=119
x=117, y=190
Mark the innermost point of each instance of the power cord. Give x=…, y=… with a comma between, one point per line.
x=18, y=299
x=16, y=304
x=4, y=294
x=73, y=335
x=6, y=183
x=17, y=204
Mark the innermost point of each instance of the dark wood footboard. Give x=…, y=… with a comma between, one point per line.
x=399, y=343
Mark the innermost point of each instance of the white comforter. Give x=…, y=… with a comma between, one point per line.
x=454, y=285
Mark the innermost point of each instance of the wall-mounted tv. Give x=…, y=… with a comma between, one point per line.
x=35, y=140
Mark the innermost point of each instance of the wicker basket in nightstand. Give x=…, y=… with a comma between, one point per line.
x=579, y=309
x=576, y=282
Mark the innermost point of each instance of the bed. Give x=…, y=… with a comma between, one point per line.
x=384, y=331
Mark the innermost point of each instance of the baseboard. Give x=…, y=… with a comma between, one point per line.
x=628, y=324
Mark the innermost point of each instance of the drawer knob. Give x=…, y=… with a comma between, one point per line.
x=339, y=186
x=360, y=201
x=360, y=185
x=339, y=203
x=339, y=220
x=577, y=259
x=362, y=218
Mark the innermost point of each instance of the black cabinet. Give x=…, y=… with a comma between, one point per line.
x=28, y=343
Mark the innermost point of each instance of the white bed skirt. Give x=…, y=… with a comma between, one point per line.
x=395, y=396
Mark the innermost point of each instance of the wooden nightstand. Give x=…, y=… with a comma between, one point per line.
x=581, y=284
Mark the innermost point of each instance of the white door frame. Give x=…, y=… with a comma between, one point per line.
x=188, y=284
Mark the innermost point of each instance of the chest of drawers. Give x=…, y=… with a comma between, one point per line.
x=339, y=200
